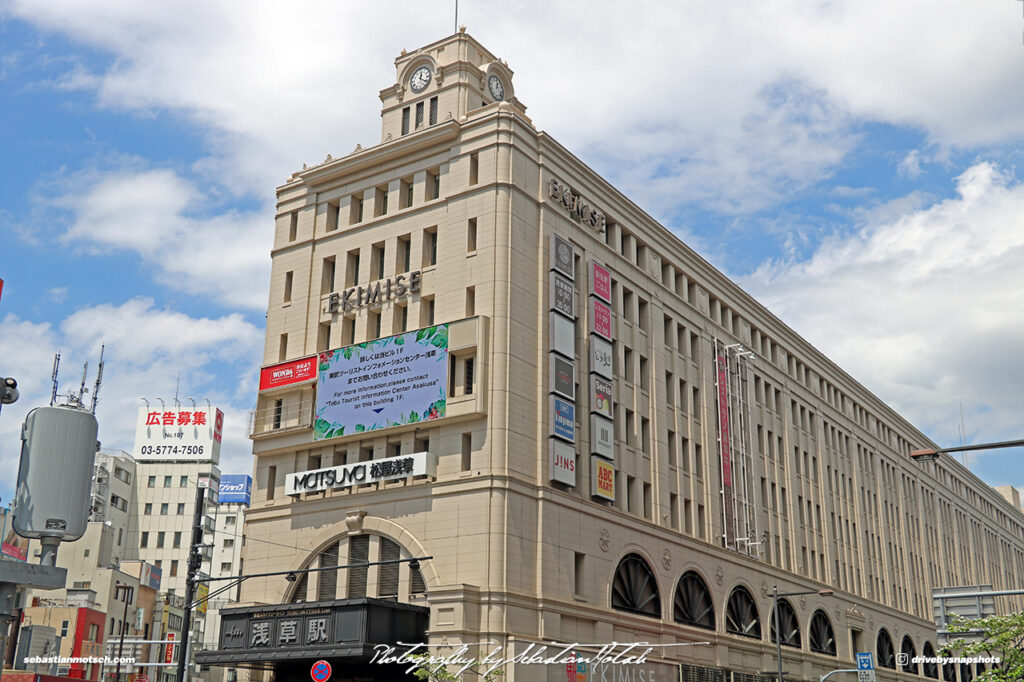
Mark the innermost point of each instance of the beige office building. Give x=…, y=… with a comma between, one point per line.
x=627, y=448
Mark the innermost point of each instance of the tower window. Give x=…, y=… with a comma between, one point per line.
x=405, y=121
x=419, y=115
x=433, y=111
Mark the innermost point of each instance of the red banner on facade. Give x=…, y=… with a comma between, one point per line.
x=169, y=649
x=14, y=551
x=286, y=373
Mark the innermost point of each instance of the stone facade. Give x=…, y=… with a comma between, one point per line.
x=823, y=492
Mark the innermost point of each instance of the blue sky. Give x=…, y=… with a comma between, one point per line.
x=852, y=164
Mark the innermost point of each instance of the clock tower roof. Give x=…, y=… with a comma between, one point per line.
x=448, y=79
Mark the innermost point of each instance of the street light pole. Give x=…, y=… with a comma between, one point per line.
x=931, y=454
x=194, y=562
x=775, y=618
x=778, y=631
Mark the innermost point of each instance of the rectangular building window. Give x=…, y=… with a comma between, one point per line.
x=352, y=268
x=434, y=184
x=471, y=235
x=160, y=539
x=433, y=111
x=293, y=226
x=467, y=451
x=426, y=311
x=181, y=508
x=177, y=539
x=327, y=581
x=323, y=336
x=377, y=258
x=648, y=511
x=404, y=254
x=400, y=319
x=164, y=509
x=355, y=210
x=167, y=481
x=289, y=278
x=405, y=120
x=419, y=115
x=348, y=331
x=470, y=301
x=327, y=276
x=174, y=567
x=278, y=413
x=673, y=510
x=144, y=539
x=430, y=246
x=333, y=216
x=151, y=482
x=579, y=569
x=183, y=482
x=148, y=509
x=271, y=481
x=474, y=168
x=282, y=348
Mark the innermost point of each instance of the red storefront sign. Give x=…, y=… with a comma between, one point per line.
x=169, y=649
x=287, y=373
x=600, y=319
x=600, y=281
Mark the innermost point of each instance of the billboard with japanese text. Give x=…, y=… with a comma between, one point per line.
x=178, y=433
x=382, y=383
x=288, y=373
x=235, y=489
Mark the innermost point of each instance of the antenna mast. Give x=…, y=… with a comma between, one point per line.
x=99, y=378
x=82, y=389
x=53, y=377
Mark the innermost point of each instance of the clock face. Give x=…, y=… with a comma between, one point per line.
x=420, y=79
x=496, y=88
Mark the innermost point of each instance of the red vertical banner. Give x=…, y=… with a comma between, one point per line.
x=729, y=511
x=169, y=650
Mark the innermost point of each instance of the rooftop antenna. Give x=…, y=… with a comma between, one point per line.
x=53, y=377
x=456, y=16
x=82, y=390
x=99, y=379
x=177, y=385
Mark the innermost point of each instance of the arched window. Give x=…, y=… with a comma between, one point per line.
x=634, y=588
x=393, y=580
x=966, y=674
x=821, y=637
x=930, y=669
x=909, y=652
x=788, y=624
x=693, y=604
x=884, y=650
x=741, y=614
x=948, y=672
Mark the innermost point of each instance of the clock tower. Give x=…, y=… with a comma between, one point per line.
x=446, y=80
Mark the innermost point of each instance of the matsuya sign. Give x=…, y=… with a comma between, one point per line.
x=348, y=475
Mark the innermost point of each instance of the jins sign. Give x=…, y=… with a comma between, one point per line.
x=578, y=208
x=377, y=292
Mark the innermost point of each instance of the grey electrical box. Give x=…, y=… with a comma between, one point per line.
x=58, y=448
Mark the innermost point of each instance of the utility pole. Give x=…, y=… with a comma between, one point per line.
x=130, y=592
x=194, y=561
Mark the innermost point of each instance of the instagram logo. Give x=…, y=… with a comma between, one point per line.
x=902, y=659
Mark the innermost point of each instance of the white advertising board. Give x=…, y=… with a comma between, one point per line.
x=602, y=437
x=385, y=382
x=601, y=357
x=563, y=462
x=563, y=335
x=179, y=433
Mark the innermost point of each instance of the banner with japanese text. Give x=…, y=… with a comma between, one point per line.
x=178, y=433
x=381, y=383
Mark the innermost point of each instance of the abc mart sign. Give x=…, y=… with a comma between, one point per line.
x=361, y=473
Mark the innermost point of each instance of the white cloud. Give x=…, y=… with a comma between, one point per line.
x=734, y=106
x=910, y=166
x=924, y=308
x=159, y=215
x=147, y=351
